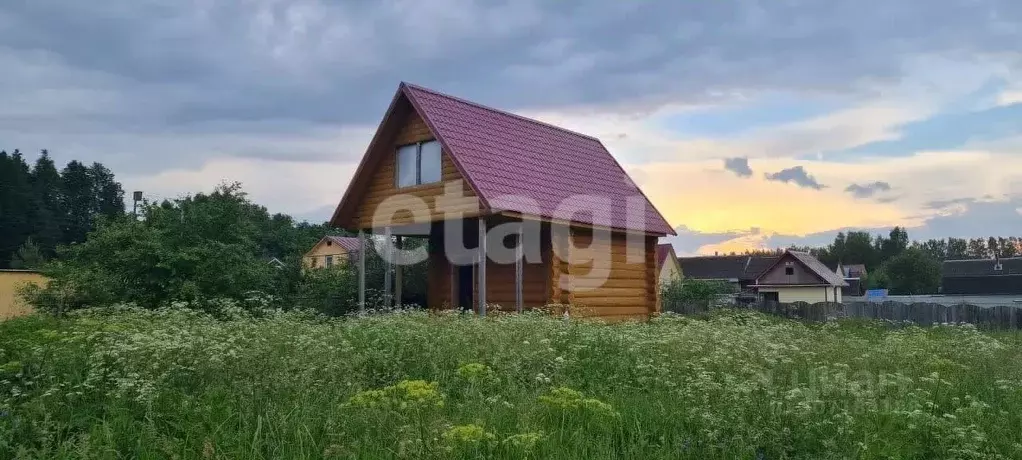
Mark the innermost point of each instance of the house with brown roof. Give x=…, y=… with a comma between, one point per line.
x=799, y=277
x=330, y=251
x=739, y=270
x=518, y=213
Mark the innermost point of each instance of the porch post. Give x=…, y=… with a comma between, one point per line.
x=361, y=271
x=482, y=266
x=518, y=271
x=388, y=298
x=397, y=271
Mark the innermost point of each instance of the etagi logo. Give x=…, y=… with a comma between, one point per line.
x=589, y=242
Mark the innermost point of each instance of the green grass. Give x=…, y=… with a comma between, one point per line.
x=178, y=384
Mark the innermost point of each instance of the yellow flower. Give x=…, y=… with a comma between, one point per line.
x=467, y=435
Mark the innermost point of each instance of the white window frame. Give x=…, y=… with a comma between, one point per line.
x=418, y=165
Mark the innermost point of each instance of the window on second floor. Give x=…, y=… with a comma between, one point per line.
x=789, y=270
x=418, y=164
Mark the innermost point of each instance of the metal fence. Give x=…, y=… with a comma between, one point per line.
x=922, y=313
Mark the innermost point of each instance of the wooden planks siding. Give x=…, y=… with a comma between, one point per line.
x=380, y=195
x=630, y=288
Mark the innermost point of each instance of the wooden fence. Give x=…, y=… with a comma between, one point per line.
x=922, y=313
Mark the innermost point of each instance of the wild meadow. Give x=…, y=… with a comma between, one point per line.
x=176, y=383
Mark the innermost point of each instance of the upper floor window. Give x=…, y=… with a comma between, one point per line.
x=418, y=164
x=789, y=270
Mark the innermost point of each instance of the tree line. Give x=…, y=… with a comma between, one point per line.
x=42, y=208
x=904, y=266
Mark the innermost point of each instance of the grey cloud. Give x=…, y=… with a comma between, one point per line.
x=942, y=204
x=979, y=219
x=796, y=175
x=689, y=241
x=739, y=166
x=166, y=84
x=868, y=190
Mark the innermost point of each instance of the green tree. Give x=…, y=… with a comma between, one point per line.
x=859, y=249
x=938, y=249
x=16, y=203
x=78, y=202
x=192, y=249
x=977, y=249
x=28, y=256
x=48, y=211
x=957, y=249
x=1008, y=246
x=107, y=194
x=911, y=272
x=894, y=244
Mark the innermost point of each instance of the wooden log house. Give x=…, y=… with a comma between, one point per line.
x=581, y=232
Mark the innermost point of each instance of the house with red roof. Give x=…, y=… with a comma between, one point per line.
x=518, y=213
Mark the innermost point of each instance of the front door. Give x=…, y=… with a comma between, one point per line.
x=465, y=287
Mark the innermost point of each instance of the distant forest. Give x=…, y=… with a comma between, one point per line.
x=863, y=248
x=42, y=208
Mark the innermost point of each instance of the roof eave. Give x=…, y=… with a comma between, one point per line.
x=340, y=211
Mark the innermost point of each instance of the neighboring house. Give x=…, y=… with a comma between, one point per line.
x=330, y=251
x=799, y=277
x=667, y=263
x=982, y=276
x=11, y=304
x=738, y=270
x=855, y=276
x=276, y=263
x=470, y=168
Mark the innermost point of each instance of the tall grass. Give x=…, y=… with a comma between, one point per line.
x=180, y=384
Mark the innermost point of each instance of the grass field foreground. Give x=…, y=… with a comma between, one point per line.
x=126, y=383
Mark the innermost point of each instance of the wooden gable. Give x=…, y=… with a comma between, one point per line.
x=800, y=274
x=374, y=191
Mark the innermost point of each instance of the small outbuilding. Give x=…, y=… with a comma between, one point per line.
x=518, y=213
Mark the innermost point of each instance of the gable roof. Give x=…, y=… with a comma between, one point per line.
x=348, y=243
x=854, y=270
x=663, y=252
x=741, y=268
x=503, y=156
x=981, y=267
x=812, y=264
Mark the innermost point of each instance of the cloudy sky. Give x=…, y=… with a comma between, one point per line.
x=748, y=123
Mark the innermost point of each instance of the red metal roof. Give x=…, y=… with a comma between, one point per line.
x=348, y=243
x=663, y=251
x=505, y=155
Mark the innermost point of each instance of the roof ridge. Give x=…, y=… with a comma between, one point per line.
x=502, y=112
